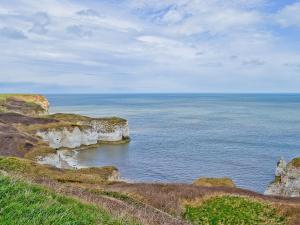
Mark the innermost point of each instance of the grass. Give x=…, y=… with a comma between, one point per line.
x=68, y=117
x=40, y=150
x=32, y=104
x=30, y=98
x=232, y=210
x=214, y=182
x=117, y=195
x=295, y=162
x=27, y=204
x=32, y=169
x=74, y=118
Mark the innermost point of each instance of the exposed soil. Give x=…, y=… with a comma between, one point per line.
x=13, y=142
x=15, y=118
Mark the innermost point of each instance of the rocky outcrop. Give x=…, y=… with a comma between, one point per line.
x=76, y=130
x=31, y=105
x=214, y=182
x=287, y=179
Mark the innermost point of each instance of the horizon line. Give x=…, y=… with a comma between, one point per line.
x=135, y=93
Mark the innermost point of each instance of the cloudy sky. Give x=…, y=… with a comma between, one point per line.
x=110, y=46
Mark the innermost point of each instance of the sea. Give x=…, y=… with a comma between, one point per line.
x=180, y=137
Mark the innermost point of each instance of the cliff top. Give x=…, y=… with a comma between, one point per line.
x=69, y=117
x=27, y=104
x=295, y=162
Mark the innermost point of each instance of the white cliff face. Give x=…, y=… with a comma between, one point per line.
x=87, y=133
x=64, y=159
x=287, y=182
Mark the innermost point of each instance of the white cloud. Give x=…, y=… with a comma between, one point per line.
x=289, y=15
x=138, y=45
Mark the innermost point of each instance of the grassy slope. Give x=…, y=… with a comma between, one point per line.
x=227, y=210
x=29, y=98
x=90, y=185
x=32, y=104
x=32, y=169
x=23, y=203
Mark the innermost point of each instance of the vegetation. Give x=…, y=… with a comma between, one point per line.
x=23, y=103
x=33, y=98
x=295, y=162
x=68, y=117
x=35, y=170
x=23, y=203
x=117, y=195
x=228, y=210
x=74, y=118
x=214, y=182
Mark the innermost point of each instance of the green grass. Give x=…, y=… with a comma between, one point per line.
x=232, y=210
x=27, y=204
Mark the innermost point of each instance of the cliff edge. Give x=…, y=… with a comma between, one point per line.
x=27, y=104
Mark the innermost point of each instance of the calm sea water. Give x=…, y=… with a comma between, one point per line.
x=179, y=137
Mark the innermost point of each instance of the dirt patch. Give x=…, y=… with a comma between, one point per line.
x=16, y=118
x=13, y=142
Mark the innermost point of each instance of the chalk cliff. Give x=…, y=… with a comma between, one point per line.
x=77, y=130
x=287, y=179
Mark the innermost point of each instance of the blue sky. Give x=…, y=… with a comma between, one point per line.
x=133, y=46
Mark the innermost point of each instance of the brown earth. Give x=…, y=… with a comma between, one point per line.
x=15, y=118
x=14, y=142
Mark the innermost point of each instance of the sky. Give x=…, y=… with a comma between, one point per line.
x=149, y=46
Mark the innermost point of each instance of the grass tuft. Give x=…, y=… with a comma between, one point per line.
x=295, y=162
x=214, y=182
x=229, y=210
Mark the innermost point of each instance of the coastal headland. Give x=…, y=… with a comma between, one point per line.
x=32, y=161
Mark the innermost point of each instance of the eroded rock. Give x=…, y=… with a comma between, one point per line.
x=287, y=179
x=84, y=131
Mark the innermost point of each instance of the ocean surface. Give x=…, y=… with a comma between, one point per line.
x=180, y=137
